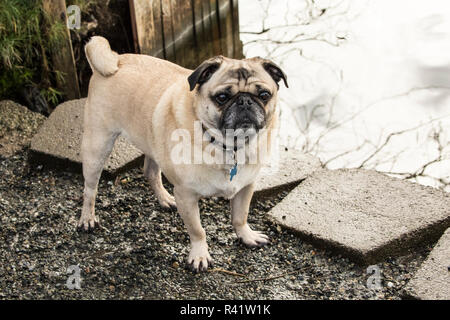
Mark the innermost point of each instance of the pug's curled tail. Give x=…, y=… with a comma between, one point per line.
x=100, y=56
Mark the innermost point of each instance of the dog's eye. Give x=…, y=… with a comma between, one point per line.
x=221, y=98
x=264, y=95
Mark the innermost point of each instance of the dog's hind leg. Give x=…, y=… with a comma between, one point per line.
x=153, y=173
x=95, y=148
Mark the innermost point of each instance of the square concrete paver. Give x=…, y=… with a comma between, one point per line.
x=364, y=214
x=289, y=168
x=432, y=281
x=58, y=143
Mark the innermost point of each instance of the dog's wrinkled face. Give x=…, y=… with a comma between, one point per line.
x=236, y=94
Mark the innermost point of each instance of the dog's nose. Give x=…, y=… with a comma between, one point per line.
x=244, y=101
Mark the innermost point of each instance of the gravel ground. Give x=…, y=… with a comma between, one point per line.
x=17, y=125
x=140, y=253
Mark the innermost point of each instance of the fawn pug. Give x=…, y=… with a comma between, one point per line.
x=146, y=99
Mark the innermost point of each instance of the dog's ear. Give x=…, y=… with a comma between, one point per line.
x=204, y=72
x=275, y=71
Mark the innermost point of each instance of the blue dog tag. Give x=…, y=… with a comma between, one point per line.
x=233, y=172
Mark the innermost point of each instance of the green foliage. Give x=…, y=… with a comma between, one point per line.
x=26, y=41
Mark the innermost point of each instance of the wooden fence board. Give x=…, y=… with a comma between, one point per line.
x=157, y=23
x=167, y=30
x=229, y=30
x=199, y=31
x=147, y=16
x=178, y=29
x=214, y=18
x=225, y=27
x=188, y=41
x=237, y=43
x=133, y=26
x=207, y=34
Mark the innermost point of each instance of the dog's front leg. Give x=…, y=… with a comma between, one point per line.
x=187, y=204
x=240, y=205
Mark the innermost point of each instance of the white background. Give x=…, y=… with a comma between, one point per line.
x=390, y=74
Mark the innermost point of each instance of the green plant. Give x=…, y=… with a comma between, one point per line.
x=27, y=39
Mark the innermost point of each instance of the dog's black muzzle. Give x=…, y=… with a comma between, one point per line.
x=243, y=113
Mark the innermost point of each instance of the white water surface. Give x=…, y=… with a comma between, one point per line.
x=391, y=73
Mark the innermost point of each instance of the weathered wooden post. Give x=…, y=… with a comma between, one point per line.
x=167, y=29
x=62, y=57
x=226, y=27
x=146, y=15
x=237, y=43
x=214, y=16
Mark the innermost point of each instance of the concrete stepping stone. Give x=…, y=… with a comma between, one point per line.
x=432, y=281
x=364, y=214
x=58, y=142
x=291, y=167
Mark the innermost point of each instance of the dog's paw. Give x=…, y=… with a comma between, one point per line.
x=167, y=202
x=251, y=238
x=88, y=223
x=199, y=258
